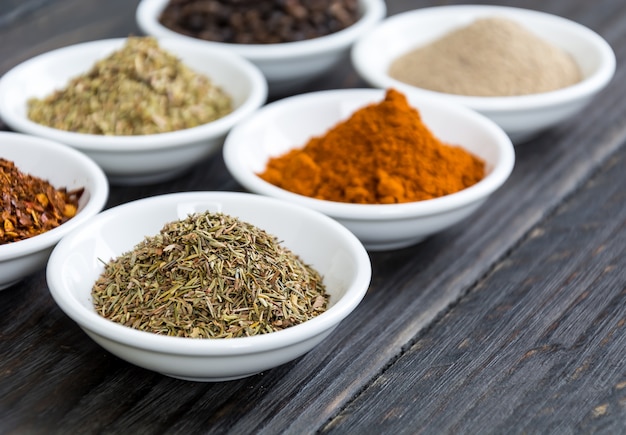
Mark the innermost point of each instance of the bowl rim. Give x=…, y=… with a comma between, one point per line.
x=373, y=11
x=587, y=86
x=95, y=203
x=93, y=322
x=356, y=212
x=135, y=143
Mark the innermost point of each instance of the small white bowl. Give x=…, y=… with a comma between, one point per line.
x=321, y=242
x=61, y=166
x=290, y=122
x=287, y=65
x=521, y=117
x=143, y=158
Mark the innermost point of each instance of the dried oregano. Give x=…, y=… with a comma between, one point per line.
x=209, y=276
x=138, y=89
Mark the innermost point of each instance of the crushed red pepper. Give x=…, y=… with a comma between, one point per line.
x=31, y=205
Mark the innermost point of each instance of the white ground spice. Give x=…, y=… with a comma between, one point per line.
x=491, y=57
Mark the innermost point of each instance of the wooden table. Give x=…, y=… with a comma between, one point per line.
x=511, y=322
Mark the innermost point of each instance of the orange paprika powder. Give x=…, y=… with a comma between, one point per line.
x=382, y=154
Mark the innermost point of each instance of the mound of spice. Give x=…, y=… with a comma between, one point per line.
x=491, y=57
x=138, y=89
x=31, y=205
x=259, y=21
x=382, y=154
x=210, y=275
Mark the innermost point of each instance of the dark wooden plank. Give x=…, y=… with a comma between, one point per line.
x=537, y=345
x=53, y=378
x=42, y=25
x=430, y=277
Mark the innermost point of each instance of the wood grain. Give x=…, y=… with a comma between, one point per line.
x=537, y=344
x=510, y=322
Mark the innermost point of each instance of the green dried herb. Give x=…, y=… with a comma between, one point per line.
x=209, y=276
x=139, y=89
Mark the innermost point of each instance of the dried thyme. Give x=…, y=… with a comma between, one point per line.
x=31, y=205
x=138, y=89
x=209, y=276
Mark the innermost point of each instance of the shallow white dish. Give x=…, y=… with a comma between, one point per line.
x=522, y=117
x=61, y=166
x=290, y=122
x=320, y=241
x=133, y=159
x=286, y=66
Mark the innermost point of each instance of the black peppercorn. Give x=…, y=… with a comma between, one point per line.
x=259, y=21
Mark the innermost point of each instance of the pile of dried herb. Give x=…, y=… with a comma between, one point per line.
x=31, y=205
x=209, y=276
x=139, y=89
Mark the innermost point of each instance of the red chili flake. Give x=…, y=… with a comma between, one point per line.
x=31, y=205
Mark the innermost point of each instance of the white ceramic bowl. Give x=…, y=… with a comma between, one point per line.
x=321, y=242
x=290, y=122
x=143, y=158
x=288, y=65
x=521, y=117
x=61, y=166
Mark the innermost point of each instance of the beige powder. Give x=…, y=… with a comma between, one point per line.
x=490, y=57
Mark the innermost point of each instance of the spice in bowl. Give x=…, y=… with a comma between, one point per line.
x=382, y=154
x=259, y=21
x=490, y=57
x=139, y=89
x=31, y=205
x=209, y=275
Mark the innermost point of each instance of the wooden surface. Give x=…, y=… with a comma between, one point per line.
x=511, y=322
